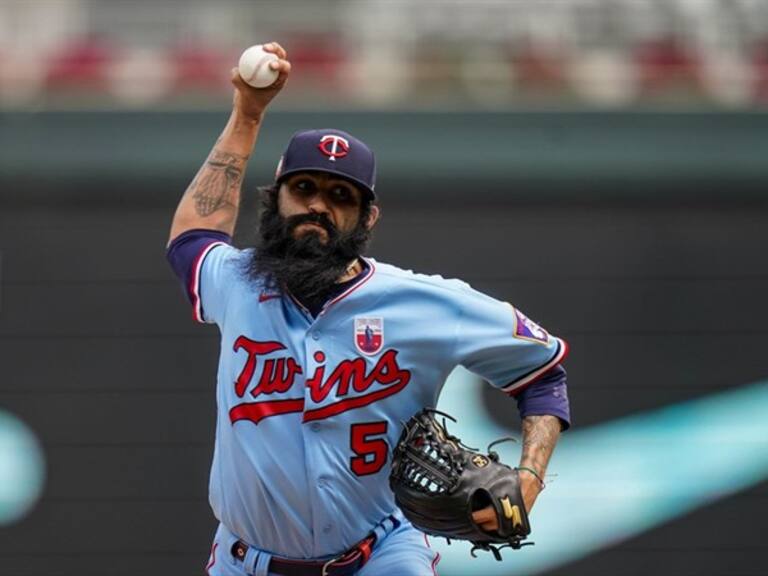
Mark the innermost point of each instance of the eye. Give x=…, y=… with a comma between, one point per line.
x=304, y=185
x=343, y=194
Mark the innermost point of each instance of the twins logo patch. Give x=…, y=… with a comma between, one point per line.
x=369, y=334
x=527, y=329
x=333, y=146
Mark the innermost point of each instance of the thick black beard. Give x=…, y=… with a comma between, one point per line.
x=305, y=266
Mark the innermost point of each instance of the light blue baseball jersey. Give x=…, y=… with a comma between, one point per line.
x=309, y=408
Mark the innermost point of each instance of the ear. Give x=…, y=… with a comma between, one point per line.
x=282, y=190
x=373, y=217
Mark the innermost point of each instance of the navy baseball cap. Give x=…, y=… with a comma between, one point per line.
x=332, y=151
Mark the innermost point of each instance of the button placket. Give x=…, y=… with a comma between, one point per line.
x=316, y=431
x=313, y=359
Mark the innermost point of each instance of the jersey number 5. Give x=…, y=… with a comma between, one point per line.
x=371, y=453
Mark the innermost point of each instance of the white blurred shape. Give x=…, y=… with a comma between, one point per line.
x=22, y=469
x=141, y=76
x=379, y=64
x=719, y=37
x=30, y=33
x=22, y=75
x=728, y=78
x=378, y=74
x=41, y=25
x=604, y=77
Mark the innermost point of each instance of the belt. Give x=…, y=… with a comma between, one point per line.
x=345, y=564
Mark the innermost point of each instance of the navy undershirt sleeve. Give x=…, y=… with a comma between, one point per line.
x=183, y=251
x=547, y=396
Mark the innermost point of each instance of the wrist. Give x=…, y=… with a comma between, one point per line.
x=239, y=135
x=530, y=488
x=528, y=473
x=246, y=120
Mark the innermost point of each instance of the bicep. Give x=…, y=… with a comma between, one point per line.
x=546, y=396
x=189, y=255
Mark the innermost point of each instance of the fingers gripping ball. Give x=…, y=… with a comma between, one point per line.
x=438, y=482
x=254, y=67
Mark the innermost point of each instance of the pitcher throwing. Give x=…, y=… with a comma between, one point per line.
x=325, y=352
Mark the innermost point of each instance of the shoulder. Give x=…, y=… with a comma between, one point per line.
x=231, y=265
x=401, y=279
x=225, y=257
x=449, y=294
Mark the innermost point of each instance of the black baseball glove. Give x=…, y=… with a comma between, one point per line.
x=438, y=482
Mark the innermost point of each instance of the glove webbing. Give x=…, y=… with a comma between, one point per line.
x=426, y=465
x=429, y=470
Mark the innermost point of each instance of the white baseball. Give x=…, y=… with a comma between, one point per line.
x=254, y=67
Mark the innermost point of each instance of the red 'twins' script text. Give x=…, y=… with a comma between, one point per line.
x=353, y=384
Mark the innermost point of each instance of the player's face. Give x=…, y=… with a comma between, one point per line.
x=309, y=232
x=333, y=199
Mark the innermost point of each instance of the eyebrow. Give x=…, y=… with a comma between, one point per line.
x=331, y=179
x=344, y=182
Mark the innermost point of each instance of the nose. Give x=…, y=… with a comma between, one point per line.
x=317, y=205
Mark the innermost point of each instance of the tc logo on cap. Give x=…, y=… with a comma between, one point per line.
x=333, y=146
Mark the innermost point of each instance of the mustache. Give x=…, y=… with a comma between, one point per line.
x=293, y=222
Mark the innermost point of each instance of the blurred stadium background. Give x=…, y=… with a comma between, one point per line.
x=86, y=54
x=599, y=163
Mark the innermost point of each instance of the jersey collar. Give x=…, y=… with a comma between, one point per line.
x=360, y=281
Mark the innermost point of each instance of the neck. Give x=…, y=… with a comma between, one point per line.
x=353, y=270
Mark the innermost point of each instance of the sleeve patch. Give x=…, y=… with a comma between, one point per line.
x=527, y=329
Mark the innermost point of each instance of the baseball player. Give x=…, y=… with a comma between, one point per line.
x=324, y=353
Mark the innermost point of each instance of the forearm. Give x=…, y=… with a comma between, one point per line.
x=540, y=434
x=212, y=199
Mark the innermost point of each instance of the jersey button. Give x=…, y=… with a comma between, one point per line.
x=322, y=482
x=316, y=335
x=327, y=528
x=315, y=427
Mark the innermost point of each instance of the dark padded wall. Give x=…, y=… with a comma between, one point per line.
x=662, y=299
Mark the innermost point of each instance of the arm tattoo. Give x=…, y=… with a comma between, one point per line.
x=540, y=434
x=217, y=184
